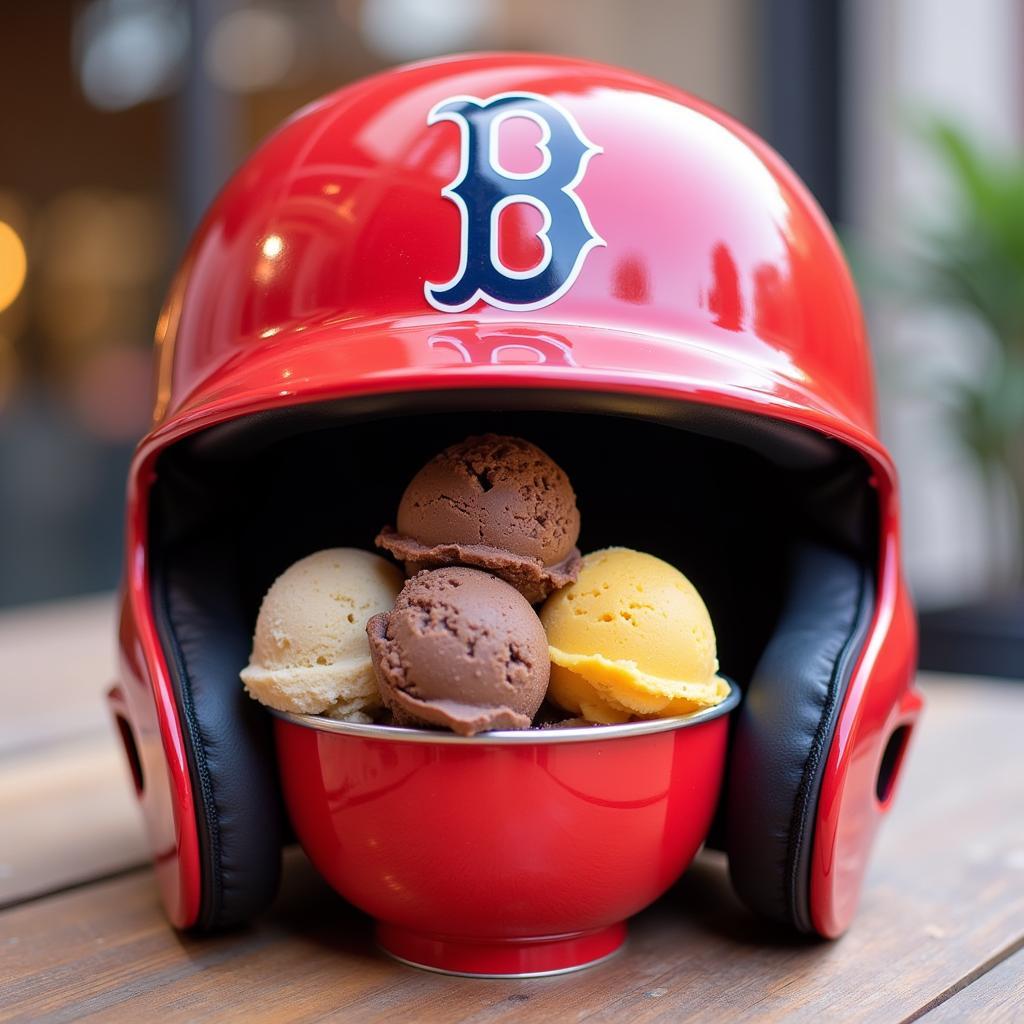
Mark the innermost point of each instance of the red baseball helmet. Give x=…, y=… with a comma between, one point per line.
x=583, y=256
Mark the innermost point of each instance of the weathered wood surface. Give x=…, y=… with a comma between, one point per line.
x=55, y=660
x=939, y=933
x=67, y=815
x=67, y=812
x=995, y=997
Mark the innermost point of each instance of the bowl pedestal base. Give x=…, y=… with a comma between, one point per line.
x=501, y=958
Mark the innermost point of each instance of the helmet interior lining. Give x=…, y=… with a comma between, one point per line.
x=731, y=499
x=719, y=494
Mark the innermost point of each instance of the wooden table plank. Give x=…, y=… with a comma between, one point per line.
x=67, y=815
x=945, y=897
x=58, y=659
x=997, y=997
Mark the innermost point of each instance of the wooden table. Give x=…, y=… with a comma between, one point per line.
x=940, y=935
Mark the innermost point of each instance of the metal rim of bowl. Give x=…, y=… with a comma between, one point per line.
x=575, y=734
x=505, y=977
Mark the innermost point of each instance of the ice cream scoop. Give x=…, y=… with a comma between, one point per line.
x=494, y=503
x=631, y=637
x=462, y=650
x=309, y=651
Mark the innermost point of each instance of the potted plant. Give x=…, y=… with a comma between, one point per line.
x=973, y=261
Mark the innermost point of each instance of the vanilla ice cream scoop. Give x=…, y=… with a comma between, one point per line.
x=309, y=652
x=630, y=637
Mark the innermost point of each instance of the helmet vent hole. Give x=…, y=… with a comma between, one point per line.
x=131, y=752
x=892, y=759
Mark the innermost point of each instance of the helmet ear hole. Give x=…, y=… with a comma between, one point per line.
x=891, y=763
x=131, y=751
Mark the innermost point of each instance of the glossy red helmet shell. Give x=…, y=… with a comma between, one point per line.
x=710, y=277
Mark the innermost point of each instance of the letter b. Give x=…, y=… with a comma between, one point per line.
x=483, y=189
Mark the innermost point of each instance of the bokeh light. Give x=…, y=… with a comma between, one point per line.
x=129, y=51
x=250, y=49
x=13, y=265
x=100, y=252
x=404, y=29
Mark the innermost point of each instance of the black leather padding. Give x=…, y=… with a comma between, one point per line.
x=784, y=731
x=205, y=635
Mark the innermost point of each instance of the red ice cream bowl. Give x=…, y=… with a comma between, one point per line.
x=507, y=853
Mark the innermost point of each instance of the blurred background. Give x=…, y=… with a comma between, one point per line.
x=121, y=119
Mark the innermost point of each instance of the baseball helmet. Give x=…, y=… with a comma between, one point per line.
x=607, y=266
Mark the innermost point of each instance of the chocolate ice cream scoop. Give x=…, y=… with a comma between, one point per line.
x=496, y=503
x=461, y=649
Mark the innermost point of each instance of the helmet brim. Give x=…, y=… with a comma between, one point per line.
x=329, y=363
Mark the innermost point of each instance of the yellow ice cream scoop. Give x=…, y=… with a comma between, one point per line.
x=631, y=637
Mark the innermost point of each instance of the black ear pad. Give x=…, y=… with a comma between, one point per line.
x=204, y=632
x=784, y=731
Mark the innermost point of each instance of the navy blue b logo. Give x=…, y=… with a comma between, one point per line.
x=483, y=189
